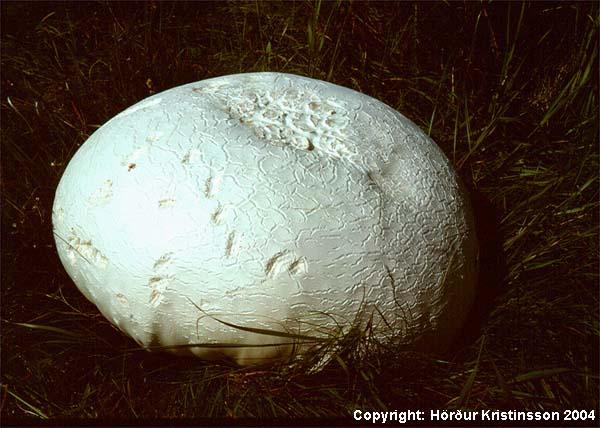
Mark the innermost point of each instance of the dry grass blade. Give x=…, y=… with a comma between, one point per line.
x=465, y=394
x=30, y=408
x=539, y=374
x=49, y=328
x=508, y=397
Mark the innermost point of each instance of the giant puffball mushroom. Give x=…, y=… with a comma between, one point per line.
x=225, y=210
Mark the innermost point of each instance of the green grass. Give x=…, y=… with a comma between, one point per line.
x=508, y=90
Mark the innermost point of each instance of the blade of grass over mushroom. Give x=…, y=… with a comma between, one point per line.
x=71, y=246
x=263, y=331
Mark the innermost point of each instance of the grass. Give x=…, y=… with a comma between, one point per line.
x=508, y=90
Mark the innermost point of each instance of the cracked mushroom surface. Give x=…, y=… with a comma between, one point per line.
x=269, y=201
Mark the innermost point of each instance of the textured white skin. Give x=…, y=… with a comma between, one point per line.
x=269, y=201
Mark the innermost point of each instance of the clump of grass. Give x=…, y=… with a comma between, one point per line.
x=510, y=93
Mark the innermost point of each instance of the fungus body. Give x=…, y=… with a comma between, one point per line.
x=218, y=211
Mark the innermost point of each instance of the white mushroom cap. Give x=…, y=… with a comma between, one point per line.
x=269, y=201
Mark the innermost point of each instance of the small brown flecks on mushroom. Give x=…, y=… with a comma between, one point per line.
x=155, y=297
x=271, y=263
x=186, y=159
x=131, y=166
x=122, y=299
x=164, y=203
x=216, y=215
x=133, y=157
x=84, y=249
x=208, y=187
x=103, y=195
x=153, y=138
x=374, y=179
x=159, y=285
x=59, y=214
x=162, y=261
x=191, y=156
x=229, y=244
x=285, y=262
x=154, y=280
x=298, y=266
x=213, y=185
